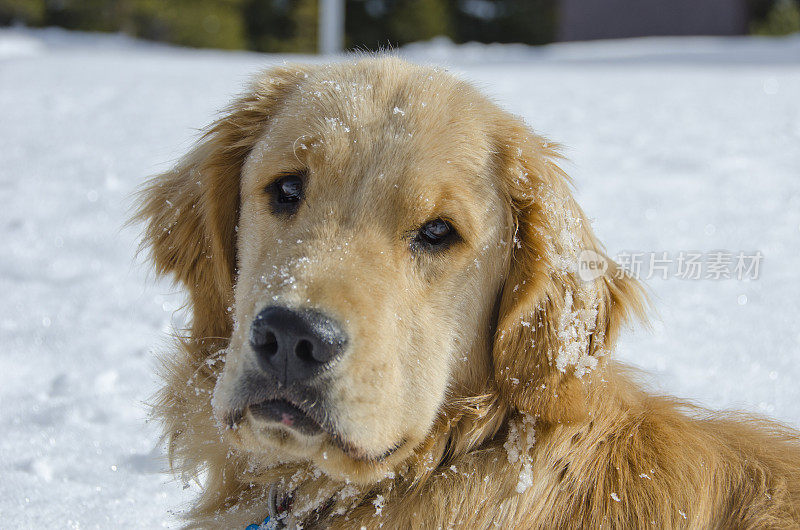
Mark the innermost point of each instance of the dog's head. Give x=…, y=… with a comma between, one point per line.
x=375, y=238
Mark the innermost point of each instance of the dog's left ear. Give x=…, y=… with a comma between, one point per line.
x=553, y=327
x=192, y=210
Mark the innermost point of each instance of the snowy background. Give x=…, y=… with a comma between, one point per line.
x=675, y=144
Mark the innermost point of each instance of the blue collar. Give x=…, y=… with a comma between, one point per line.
x=266, y=525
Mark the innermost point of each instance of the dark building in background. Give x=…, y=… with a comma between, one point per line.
x=613, y=19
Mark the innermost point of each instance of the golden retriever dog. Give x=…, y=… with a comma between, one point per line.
x=388, y=329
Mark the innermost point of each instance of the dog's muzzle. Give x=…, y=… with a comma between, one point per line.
x=291, y=348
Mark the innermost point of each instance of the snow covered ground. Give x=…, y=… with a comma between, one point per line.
x=675, y=145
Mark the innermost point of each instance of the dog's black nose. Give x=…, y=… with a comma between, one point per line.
x=294, y=345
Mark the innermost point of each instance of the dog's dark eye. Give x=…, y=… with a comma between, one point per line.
x=435, y=234
x=287, y=192
x=290, y=189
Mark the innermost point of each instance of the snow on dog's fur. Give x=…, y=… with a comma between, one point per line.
x=475, y=387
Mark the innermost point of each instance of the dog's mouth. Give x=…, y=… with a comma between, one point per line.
x=286, y=413
x=298, y=411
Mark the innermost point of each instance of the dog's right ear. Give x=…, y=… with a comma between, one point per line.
x=191, y=211
x=554, y=327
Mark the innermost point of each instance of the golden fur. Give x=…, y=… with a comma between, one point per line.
x=485, y=366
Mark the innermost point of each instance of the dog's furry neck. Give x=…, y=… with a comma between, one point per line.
x=466, y=425
x=480, y=449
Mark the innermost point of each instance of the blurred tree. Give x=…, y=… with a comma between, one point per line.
x=367, y=24
x=199, y=23
x=291, y=25
x=202, y=23
x=757, y=10
x=375, y=24
x=782, y=17
x=414, y=20
x=27, y=12
x=524, y=21
x=267, y=23
x=84, y=15
x=281, y=25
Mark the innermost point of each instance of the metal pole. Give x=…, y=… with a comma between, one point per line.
x=331, y=26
